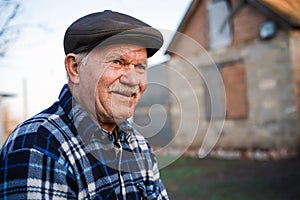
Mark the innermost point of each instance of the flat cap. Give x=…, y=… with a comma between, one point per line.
x=109, y=27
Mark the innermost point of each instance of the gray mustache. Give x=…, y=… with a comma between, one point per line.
x=124, y=89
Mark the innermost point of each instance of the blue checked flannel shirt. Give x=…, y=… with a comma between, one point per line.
x=62, y=154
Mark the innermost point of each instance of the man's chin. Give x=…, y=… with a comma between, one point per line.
x=120, y=117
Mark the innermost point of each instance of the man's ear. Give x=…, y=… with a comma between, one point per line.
x=72, y=68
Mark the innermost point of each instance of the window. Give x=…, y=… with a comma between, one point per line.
x=233, y=75
x=219, y=24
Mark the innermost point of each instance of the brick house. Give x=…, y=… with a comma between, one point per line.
x=253, y=44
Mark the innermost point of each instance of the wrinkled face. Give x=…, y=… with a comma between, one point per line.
x=112, y=82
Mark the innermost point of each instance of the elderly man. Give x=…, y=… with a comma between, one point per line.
x=82, y=147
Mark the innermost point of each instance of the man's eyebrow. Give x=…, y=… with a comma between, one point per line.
x=120, y=55
x=145, y=62
x=114, y=55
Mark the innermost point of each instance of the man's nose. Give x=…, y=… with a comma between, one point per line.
x=131, y=77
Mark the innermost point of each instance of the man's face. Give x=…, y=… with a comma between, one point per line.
x=112, y=82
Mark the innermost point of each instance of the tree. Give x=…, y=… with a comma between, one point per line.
x=8, y=33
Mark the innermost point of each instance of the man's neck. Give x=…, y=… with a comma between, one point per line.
x=108, y=127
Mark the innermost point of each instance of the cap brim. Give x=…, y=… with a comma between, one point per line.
x=148, y=38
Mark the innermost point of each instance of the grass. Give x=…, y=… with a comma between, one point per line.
x=193, y=178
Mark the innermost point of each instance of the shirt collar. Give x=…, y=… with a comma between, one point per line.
x=84, y=125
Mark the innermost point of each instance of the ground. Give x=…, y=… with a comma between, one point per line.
x=210, y=178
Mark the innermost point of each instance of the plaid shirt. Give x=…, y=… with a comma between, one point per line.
x=62, y=154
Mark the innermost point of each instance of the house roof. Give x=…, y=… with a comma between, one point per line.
x=284, y=12
x=288, y=9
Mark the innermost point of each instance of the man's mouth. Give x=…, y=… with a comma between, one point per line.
x=126, y=94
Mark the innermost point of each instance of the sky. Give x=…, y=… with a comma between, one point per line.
x=36, y=58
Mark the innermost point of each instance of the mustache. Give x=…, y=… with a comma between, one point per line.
x=124, y=89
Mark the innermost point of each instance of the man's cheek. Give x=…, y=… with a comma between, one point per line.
x=143, y=86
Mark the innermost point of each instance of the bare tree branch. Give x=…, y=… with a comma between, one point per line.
x=8, y=34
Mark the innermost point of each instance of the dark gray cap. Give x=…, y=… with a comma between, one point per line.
x=109, y=27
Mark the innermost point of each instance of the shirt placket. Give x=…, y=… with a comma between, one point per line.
x=119, y=153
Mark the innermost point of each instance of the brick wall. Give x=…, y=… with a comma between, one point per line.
x=245, y=27
x=271, y=120
x=197, y=27
x=246, y=23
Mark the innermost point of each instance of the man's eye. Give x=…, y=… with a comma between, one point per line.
x=141, y=67
x=118, y=62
